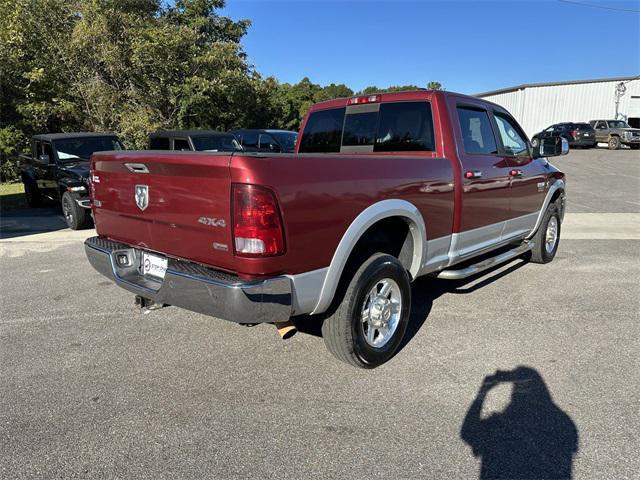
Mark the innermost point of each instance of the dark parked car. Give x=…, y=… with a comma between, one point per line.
x=194, y=140
x=616, y=133
x=267, y=140
x=577, y=134
x=58, y=169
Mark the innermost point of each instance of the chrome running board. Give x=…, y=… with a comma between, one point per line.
x=486, y=264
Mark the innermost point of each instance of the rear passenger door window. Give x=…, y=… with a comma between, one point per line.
x=268, y=143
x=181, y=144
x=477, y=134
x=513, y=140
x=250, y=141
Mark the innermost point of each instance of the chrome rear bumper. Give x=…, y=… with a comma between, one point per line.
x=194, y=287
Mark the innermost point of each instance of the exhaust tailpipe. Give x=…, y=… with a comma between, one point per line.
x=286, y=329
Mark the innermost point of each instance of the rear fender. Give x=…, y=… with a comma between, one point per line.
x=367, y=218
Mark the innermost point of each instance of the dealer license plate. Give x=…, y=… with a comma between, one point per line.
x=153, y=265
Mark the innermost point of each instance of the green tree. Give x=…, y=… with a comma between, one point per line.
x=391, y=89
x=179, y=67
x=34, y=68
x=434, y=85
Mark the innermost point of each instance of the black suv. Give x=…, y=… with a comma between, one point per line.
x=267, y=140
x=194, y=140
x=577, y=134
x=58, y=169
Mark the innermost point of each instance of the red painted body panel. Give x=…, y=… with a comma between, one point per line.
x=319, y=194
x=182, y=188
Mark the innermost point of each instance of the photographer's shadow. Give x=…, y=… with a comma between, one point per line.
x=531, y=438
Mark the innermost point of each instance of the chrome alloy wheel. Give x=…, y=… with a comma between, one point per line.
x=551, y=236
x=67, y=211
x=381, y=312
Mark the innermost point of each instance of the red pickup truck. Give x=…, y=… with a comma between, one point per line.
x=382, y=189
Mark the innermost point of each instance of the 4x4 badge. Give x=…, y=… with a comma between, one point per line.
x=142, y=196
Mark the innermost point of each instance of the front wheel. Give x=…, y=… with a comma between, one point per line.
x=547, y=238
x=76, y=217
x=367, y=327
x=614, y=143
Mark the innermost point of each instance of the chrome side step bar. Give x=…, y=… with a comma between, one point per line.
x=486, y=264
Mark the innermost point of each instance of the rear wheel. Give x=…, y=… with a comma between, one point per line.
x=367, y=327
x=614, y=143
x=76, y=217
x=547, y=238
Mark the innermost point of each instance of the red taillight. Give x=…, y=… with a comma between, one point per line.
x=257, y=227
x=574, y=133
x=363, y=99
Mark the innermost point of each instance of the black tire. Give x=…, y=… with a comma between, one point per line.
x=541, y=253
x=32, y=194
x=76, y=217
x=344, y=330
x=614, y=143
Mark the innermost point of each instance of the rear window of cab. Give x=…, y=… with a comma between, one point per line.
x=380, y=127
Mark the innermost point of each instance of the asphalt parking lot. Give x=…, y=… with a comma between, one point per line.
x=90, y=387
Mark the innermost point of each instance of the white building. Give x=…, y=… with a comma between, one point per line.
x=537, y=105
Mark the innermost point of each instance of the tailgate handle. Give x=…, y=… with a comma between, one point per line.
x=137, y=167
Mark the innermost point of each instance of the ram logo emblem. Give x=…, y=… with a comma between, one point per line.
x=142, y=196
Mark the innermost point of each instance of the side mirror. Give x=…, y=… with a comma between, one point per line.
x=551, y=147
x=44, y=159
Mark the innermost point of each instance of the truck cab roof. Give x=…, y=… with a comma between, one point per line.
x=185, y=133
x=49, y=137
x=383, y=97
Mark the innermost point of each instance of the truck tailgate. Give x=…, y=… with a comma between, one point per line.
x=175, y=203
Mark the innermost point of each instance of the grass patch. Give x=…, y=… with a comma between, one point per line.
x=12, y=196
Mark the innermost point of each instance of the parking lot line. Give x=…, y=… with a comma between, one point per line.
x=601, y=226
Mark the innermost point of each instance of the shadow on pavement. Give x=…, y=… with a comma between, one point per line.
x=424, y=291
x=23, y=222
x=531, y=438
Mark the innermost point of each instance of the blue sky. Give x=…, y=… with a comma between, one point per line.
x=469, y=47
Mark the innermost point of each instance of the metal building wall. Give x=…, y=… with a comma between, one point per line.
x=537, y=107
